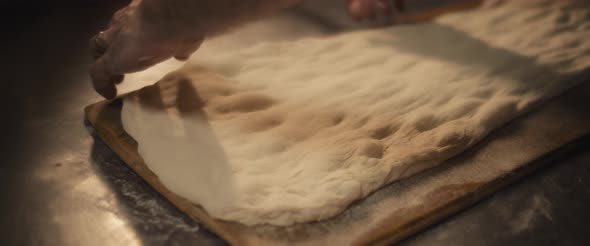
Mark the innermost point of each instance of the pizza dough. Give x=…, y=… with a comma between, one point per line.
x=292, y=132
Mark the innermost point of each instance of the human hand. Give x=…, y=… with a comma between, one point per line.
x=131, y=44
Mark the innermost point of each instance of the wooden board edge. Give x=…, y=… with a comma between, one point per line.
x=194, y=211
x=473, y=194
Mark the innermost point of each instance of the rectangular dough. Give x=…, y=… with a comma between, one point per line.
x=294, y=132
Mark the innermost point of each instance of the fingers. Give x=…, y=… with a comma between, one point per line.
x=103, y=81
x=119, y=17
x=129, y=46
x=360, y=9
x=187, y=48
x=98, y=46
x=128, y=53
x=369, y=9
x=100, y=42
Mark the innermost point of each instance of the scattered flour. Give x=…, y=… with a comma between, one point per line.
x=539, y=207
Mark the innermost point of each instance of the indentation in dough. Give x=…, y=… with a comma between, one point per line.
x=278, y=148
x=227, y=69
x=463, y=109
x=188, y=100
x=217, y=90
x=444, y=100
x=210, y=87
x=361, y=122
x=382, y=131
x=370, y=148
x=246, y=102
x=337, y=118
x=263, y=123
x=483, y=93
x=425, y=123
x=316, y=122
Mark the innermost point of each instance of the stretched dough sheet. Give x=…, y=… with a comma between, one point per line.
x=295, y=132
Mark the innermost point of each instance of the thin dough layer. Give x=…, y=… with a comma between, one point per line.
x=294, y=132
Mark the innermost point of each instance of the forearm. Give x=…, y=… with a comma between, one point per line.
x=208, y=17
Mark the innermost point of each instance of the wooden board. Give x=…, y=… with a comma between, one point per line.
x=404, y=207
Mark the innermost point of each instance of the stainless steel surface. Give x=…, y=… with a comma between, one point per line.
x=60, y=186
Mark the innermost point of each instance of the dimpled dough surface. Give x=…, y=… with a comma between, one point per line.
x=295, y=131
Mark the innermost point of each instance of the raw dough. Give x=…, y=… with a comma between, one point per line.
x=296, y=131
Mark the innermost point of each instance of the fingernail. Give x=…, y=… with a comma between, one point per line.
x=98, y=46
